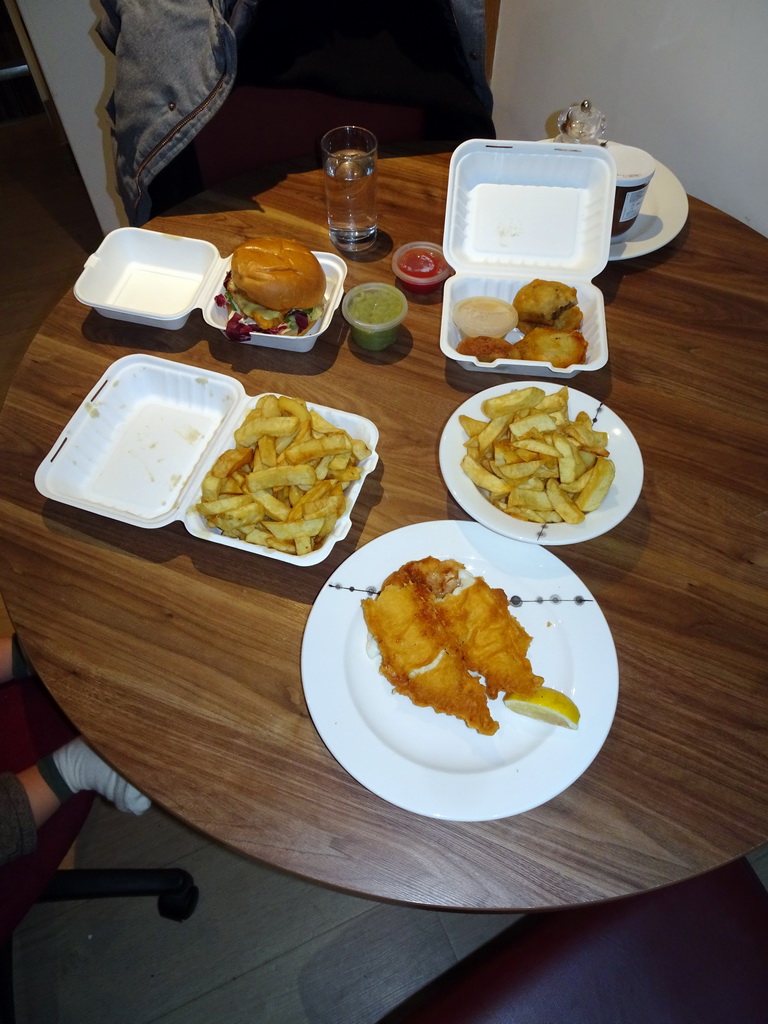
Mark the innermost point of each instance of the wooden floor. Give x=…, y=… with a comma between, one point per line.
x=262, y=947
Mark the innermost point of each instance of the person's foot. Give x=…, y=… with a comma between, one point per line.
x=82, y=769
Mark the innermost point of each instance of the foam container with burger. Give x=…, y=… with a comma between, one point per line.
x=517, y=211
x=156, y=279
x=140, y=443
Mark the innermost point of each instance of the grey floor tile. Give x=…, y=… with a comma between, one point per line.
x=759, y=861
x=353, y=974
x=118, y=961
x=468, y=931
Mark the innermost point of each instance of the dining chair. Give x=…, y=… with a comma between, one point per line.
x=691, y=953
x=31, y=726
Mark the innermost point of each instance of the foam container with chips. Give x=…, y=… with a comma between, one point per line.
x=517, y=211
x=150, y=429
x=156, y=279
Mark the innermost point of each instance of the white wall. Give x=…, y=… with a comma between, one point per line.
x=73, y=60
x=686, y=80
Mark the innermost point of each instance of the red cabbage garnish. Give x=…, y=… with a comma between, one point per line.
x=301, y=318
x=237, y=329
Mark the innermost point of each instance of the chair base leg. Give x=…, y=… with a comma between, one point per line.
x=176, y=892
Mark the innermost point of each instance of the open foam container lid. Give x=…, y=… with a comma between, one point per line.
x=529, y=209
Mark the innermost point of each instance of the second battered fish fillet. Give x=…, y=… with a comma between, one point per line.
x=419, y=657
x=491, y=640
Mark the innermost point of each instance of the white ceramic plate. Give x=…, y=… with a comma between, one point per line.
x=433, y=764
x=663, y=215
x=618, y=503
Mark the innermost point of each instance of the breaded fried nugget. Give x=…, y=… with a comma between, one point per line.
x=547, y=304
x=551, y=345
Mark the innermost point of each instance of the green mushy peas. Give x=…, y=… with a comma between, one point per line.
x=374, y=312
x=376, y=307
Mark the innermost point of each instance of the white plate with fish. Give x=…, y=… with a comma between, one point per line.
x=433, y=764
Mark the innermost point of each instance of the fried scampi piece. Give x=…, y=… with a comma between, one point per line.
x=547, y=304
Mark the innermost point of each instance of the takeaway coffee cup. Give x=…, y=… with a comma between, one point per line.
x=634, y=170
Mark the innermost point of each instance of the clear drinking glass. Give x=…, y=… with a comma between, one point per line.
x=349, y=161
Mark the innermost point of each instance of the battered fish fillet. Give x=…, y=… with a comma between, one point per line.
x=547, y=304
x=549, y=345
x=434, y=631
x=419, y=657
x=491, y=640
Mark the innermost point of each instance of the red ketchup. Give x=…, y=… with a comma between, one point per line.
x=420, y=266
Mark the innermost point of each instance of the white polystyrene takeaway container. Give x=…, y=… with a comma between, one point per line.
x=149, y=430
x=156, y=279
x=516, y=211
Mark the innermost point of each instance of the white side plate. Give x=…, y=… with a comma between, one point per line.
x=618, y=503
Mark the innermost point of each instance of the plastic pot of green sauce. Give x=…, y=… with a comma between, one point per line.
x=374, y=313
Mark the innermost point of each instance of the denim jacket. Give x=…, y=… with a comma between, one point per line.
x=175, y=65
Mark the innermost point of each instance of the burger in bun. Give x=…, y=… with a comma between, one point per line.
x=275, y=286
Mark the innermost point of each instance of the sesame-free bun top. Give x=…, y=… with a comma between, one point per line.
x=278, y=273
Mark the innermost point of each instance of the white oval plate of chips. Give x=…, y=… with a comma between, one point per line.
x=618, y=503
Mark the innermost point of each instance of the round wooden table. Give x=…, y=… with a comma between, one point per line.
x=180, y=660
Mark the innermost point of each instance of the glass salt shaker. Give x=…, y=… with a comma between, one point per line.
x=581, y=123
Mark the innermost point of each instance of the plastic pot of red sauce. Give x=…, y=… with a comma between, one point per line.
x=420, y=266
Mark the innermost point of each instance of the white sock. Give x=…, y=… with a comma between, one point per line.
x=81, y=769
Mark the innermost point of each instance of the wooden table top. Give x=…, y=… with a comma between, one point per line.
x=180, y=660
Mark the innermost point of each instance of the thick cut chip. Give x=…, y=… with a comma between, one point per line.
x=282, y=476
x=483, y=477
x=500, y=405
x=562, y=504
x=596, y=488
x=533, y=462
x=229, y=461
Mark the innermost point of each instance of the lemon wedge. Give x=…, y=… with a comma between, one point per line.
x=546, y=705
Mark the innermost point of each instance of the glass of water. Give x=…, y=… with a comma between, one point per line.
x=349, y=161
